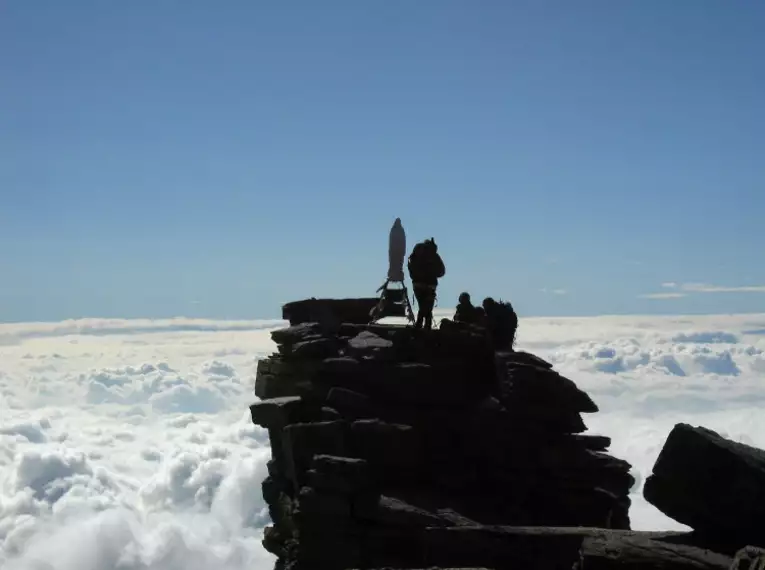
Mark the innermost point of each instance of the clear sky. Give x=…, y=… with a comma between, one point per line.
x=216, y=159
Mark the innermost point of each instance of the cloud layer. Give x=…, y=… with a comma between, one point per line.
x=127, y=444
x=131, y=448
x=683, y=289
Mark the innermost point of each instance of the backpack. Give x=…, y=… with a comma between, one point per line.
x=417, y=263
x=507, y=315
x=507, y=321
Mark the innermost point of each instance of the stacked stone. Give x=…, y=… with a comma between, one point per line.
x=379, y=433
x=568, y=478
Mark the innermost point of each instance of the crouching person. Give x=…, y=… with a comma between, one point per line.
x=468, y=313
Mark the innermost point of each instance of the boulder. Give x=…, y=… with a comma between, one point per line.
x=395, y=512
x=394, y=451
x=341, y=475
x=277, y=378
x=521, y=357
x=346, y=372
x=350, y=404
x=351, y=469
x=296, y=333
x=317, y=504
x=340, y=310
x=550, y=548
x=427, y=385
x=367, y=344
x=541, y=388
x=314, y=349
x=278, y=412
x=593, y=442
x=712, y=484
x=329, y=414
x=302, y=441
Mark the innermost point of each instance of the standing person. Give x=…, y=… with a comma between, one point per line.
x=425, y=269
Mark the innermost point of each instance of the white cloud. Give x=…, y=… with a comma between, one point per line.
x=133, y=449
x=554, y=291
x=706, y=288
x=700, y=288
x=14, y=332
x=662, y=295
x=124, y=449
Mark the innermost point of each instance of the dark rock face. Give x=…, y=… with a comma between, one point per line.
x=581, y=548
x=327, y=311
x=401, y=449
x=385, y=439
x=712, y=484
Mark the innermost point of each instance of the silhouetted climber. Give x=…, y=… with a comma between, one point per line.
x=425, y=269
x=501, y=323
x=467, y=312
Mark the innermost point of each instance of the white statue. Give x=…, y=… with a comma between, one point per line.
x=396, y=252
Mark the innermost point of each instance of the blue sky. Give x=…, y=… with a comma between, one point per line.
x=216, y=159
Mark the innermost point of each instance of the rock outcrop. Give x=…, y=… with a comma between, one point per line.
x=402, y=449
x=712, y=484
x=387, y=441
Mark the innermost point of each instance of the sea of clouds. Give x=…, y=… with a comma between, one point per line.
x=127, y=444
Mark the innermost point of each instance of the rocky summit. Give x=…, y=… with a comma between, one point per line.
x=402, y=448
